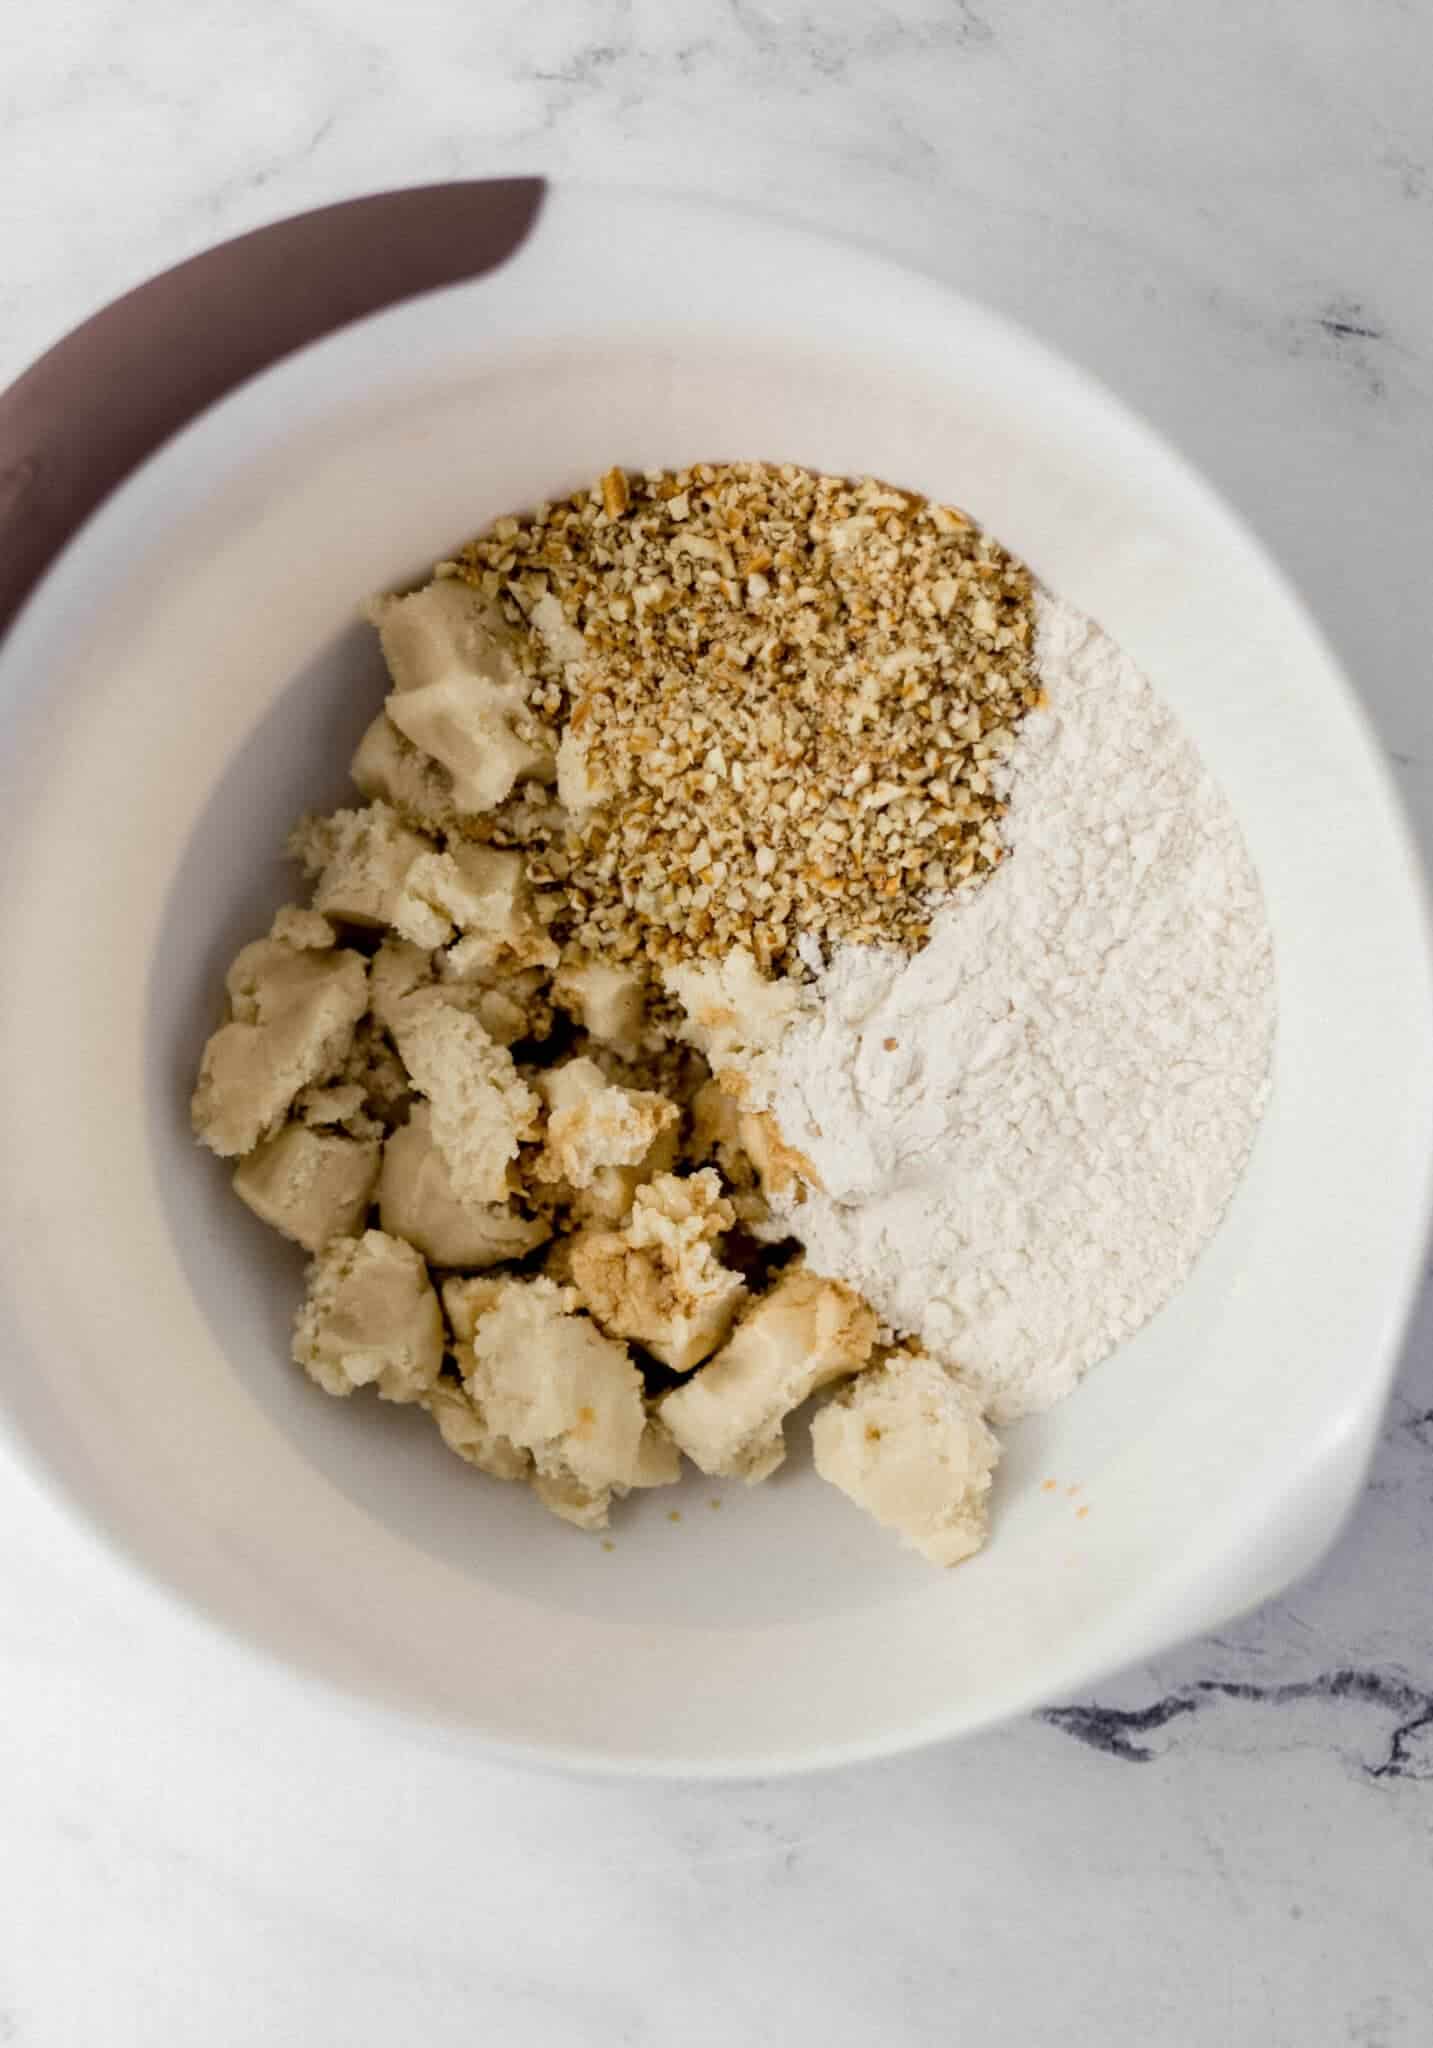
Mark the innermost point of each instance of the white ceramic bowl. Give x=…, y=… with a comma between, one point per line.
x=190, y=675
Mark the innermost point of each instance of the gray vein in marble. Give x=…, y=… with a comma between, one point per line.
x=1116, y=1731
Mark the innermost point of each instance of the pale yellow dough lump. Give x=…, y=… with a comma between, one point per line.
x=293, y=1012
x=804, y=1334
x=545, y=1378
x=908, y=1443
x=371, y=1319
x=459, y=693
x=482, y=1110
x=657, y=1280
x=418, y=1202
x=310, y=1183
x=602, y=1141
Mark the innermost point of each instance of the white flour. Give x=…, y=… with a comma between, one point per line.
x=1027, y=1132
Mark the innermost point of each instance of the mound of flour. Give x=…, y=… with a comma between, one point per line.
x=1026, y=1133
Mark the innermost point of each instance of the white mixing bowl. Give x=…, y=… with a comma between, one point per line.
x=190, y=674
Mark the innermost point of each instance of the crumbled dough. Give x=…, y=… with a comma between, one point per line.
x=547, y=1379
x=592, y=1124
x=485, y=891
x=907, y=1442
x=465, y=1430
x=735, y=1016
x=440, y=629
x=372, y=1065
x=388, y=767
x=338, y=1106
x=482, y=1109
x=293, y=1013
x=802, y=1335
x=608, y=1001
x=578, y=789
x=657, y=1280
x=782, y=1171
x=416, y=1202
x=464, y=1300
x=310, y=1184
x=371, y=1318
x=460, y=695
x=562, y=639
x=361, y=861
x=397, y=971
x=307, y=930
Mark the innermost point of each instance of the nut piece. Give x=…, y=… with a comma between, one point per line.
x=594, y=1126
x=908, y=1443
x=310, y=1184
x=292, y=1023
x=805, y=1333
x=657, y=1280
x=481, y=1109
x=547, y=1379
x=460, y=695
x=416, y=1202
x=465, y=1430
x=371, y=1318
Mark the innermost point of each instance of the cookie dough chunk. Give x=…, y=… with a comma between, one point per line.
x=310, y=1184
x=389, y=768
x=736, y=1016
x=460, y=695
x=465, y=1429
x=602, y=1140
x=657, y=1280
x=371, y=1319
x=486, y=892
x=293, y=1010
x=907, y=1442
x=481, y=1109
x=361, y=861
x=547, y=1379
x=417, y=1202
x=802, y=1335
x=607, y=1000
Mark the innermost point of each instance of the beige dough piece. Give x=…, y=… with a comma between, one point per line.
x=293, y=1013
x=389, y=768
x=657, y=1281
x=486, y=892
x=596, y=1128
x=371, y=1319
x=482, y=1109
x=361, y=861
x=416, y=1202
x=908, y=1443
x=464, y=1300
x=310, y=1184
x=735, y=1015
x=546, y=1378
x=802, y=1335
x=465, y=1430
x=782, y=1171
x=607, y=1000
x=460, y=695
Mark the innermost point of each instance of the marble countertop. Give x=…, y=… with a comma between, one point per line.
x=1226, y=212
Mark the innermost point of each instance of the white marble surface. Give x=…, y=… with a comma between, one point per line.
x=1226, y=211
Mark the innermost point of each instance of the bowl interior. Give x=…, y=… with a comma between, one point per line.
x=192, y=676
